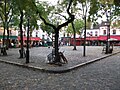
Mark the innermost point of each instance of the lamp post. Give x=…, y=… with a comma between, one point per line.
x=27, y=48
x=107, y=4
x=85, y=6
x=108, y=33
x=84, y=47
x=108, y=37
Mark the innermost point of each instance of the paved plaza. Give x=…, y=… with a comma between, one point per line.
x=75, y=57
x=101, y=75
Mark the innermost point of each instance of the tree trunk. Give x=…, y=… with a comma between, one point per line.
x=4, y=24
x=4, y=48
x=71, y=19
x=21, y=34
x=4, y=36
x=74, y=36
x=57, y=57
x=8, y=41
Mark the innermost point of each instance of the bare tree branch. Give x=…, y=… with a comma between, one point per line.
x=62, y=16
x=71, y=17
x=46, y=23
x=62, y=25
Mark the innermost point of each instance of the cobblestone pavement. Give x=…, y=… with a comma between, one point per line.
x=101, y=75
x=38, y=56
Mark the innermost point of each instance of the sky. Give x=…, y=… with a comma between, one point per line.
x=54, y=2
x=51, y=1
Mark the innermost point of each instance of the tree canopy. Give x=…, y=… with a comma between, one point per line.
x=78, y=24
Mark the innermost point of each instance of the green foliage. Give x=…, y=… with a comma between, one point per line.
x=117, y=2
x=94, y=7
x=116, y=24
x=29, y=9
x=5, y=11
x=14, y=21
x=46, y=28
x=69, y=29
x=44, y=9
x=104, y=5
x=25, y=4
x=78, y=24
x=41, y=9
x=117, y=7
x=106, y=1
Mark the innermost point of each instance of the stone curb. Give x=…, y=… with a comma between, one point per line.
x=57, y=71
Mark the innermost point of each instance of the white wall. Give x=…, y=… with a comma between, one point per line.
x=117, y=31
x=111, y=30
x=102, y=29
x=40, y=33
x=89, y=31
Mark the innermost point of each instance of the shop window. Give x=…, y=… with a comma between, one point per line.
x=96, y=33
x=114, y=31
x=36, y=34
x=104, y=32
x=87, y=33
x=64, y=34
x=91, y=33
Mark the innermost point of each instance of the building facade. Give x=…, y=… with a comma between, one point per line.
x=99, y=36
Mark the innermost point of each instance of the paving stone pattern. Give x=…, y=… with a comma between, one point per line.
x=101, y=75
x=38, y=56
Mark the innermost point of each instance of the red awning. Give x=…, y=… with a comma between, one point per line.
x=92, y=38
x=31, y=38
x=103, y=38
x=100, y=38
x=87, y=38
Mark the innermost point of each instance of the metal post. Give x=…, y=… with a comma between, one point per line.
x=84, y=50
x=107, y=43
x=108, y=34
x=27, y=50
x=108, y=37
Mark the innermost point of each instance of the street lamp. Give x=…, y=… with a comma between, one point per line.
x=85, y=6
x=108, y=32
x=108, y=37
x=107, y=4
x=84, y=47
